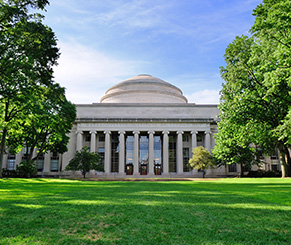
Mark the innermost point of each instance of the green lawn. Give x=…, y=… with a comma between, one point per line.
x=226, y=211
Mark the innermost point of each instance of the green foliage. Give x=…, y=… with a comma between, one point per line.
x=255, y=100
x=26, y=169
x=33, y=108
x=201, y=159
x=85, y=161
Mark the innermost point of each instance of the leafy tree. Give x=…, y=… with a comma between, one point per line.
x=255, y=100
x=46, y=126
x=85, y=161
x=201, y=159
x=28, y=53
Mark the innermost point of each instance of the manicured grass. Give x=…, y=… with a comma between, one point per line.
x=226, y=211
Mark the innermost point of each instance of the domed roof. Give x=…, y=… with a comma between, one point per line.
x=143, y=89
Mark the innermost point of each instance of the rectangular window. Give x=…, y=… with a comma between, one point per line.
x=25, y=152
x=172, y=153
x=143, y=153
x=129, y=146
x=114, y=152
x=54, y=162
x=158, y=144
x=87, y=137
x=232, y=168
x=101, y=152
x=186, y=167
x=11, y=162
x=275, y=167
x=40, y=162
x=185, y=137
x=200, y=139
x=101, y=137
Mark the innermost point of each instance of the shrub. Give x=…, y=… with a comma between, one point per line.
x=26, y=169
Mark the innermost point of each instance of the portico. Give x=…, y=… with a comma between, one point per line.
x=145, y=147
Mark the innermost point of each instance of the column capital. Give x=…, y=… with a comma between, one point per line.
x=79, y=132
x=107, y=132
x=121, y=132
x=166, y=132
x=180, y=132
x=194, y=132
x=151, y=132
x=93, y=132
x=136, y=132
x=207, y=132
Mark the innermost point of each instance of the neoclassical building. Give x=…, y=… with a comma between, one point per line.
x=142, y=127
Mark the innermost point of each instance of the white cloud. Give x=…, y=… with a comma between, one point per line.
x=87, y=73
x=206, y=96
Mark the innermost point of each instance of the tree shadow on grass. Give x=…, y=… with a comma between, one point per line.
x=75, y=212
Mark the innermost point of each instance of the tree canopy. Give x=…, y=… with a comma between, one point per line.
x=28, y=53
x=255, y=99
x=201, y=159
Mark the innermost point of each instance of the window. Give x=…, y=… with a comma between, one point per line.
x=11, y=162
x=101, y=137
x=101, y=152
x=158, y=144
x=114, y=152
x=25, y=152
x=143, y=153
x=186, y=167
x=232, y=168
x=87, y=137
x=199, y=138
x=172, y=153
x=40, y=162
x=275, y=167
x=185, y=138
x=129, y=146
x=54, y=162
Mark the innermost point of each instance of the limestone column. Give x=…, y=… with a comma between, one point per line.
x=166, y=152
x=207, y=140
x=180, y=152
x=193, y=140
x=151, y=152
x=93, y=141
x=47, y=162
x=107, y=157
x=121, y=151
x=136, y=152
x=79, y=140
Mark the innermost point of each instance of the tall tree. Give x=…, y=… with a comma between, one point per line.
x=255, y=98
x=28, y=53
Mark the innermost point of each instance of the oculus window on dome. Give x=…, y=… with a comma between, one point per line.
x=144, y=89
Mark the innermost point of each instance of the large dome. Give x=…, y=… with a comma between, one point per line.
x=143, y=89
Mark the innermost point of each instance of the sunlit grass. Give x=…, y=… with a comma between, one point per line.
x=226, y=211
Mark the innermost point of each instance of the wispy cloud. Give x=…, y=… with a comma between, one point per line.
x=88, y=73
x=206, y=96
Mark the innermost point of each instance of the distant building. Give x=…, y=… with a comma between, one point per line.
x=142, y=126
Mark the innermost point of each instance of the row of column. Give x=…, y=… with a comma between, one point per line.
x=179, y=150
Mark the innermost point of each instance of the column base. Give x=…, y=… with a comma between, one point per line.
x=135, y=175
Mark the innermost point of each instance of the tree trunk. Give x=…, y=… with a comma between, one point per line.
x=285, y=166
x=204, y=173
x=2, y=147
x=241, y=170
x=288, y=162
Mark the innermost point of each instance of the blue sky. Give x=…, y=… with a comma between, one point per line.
x=104, y=42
